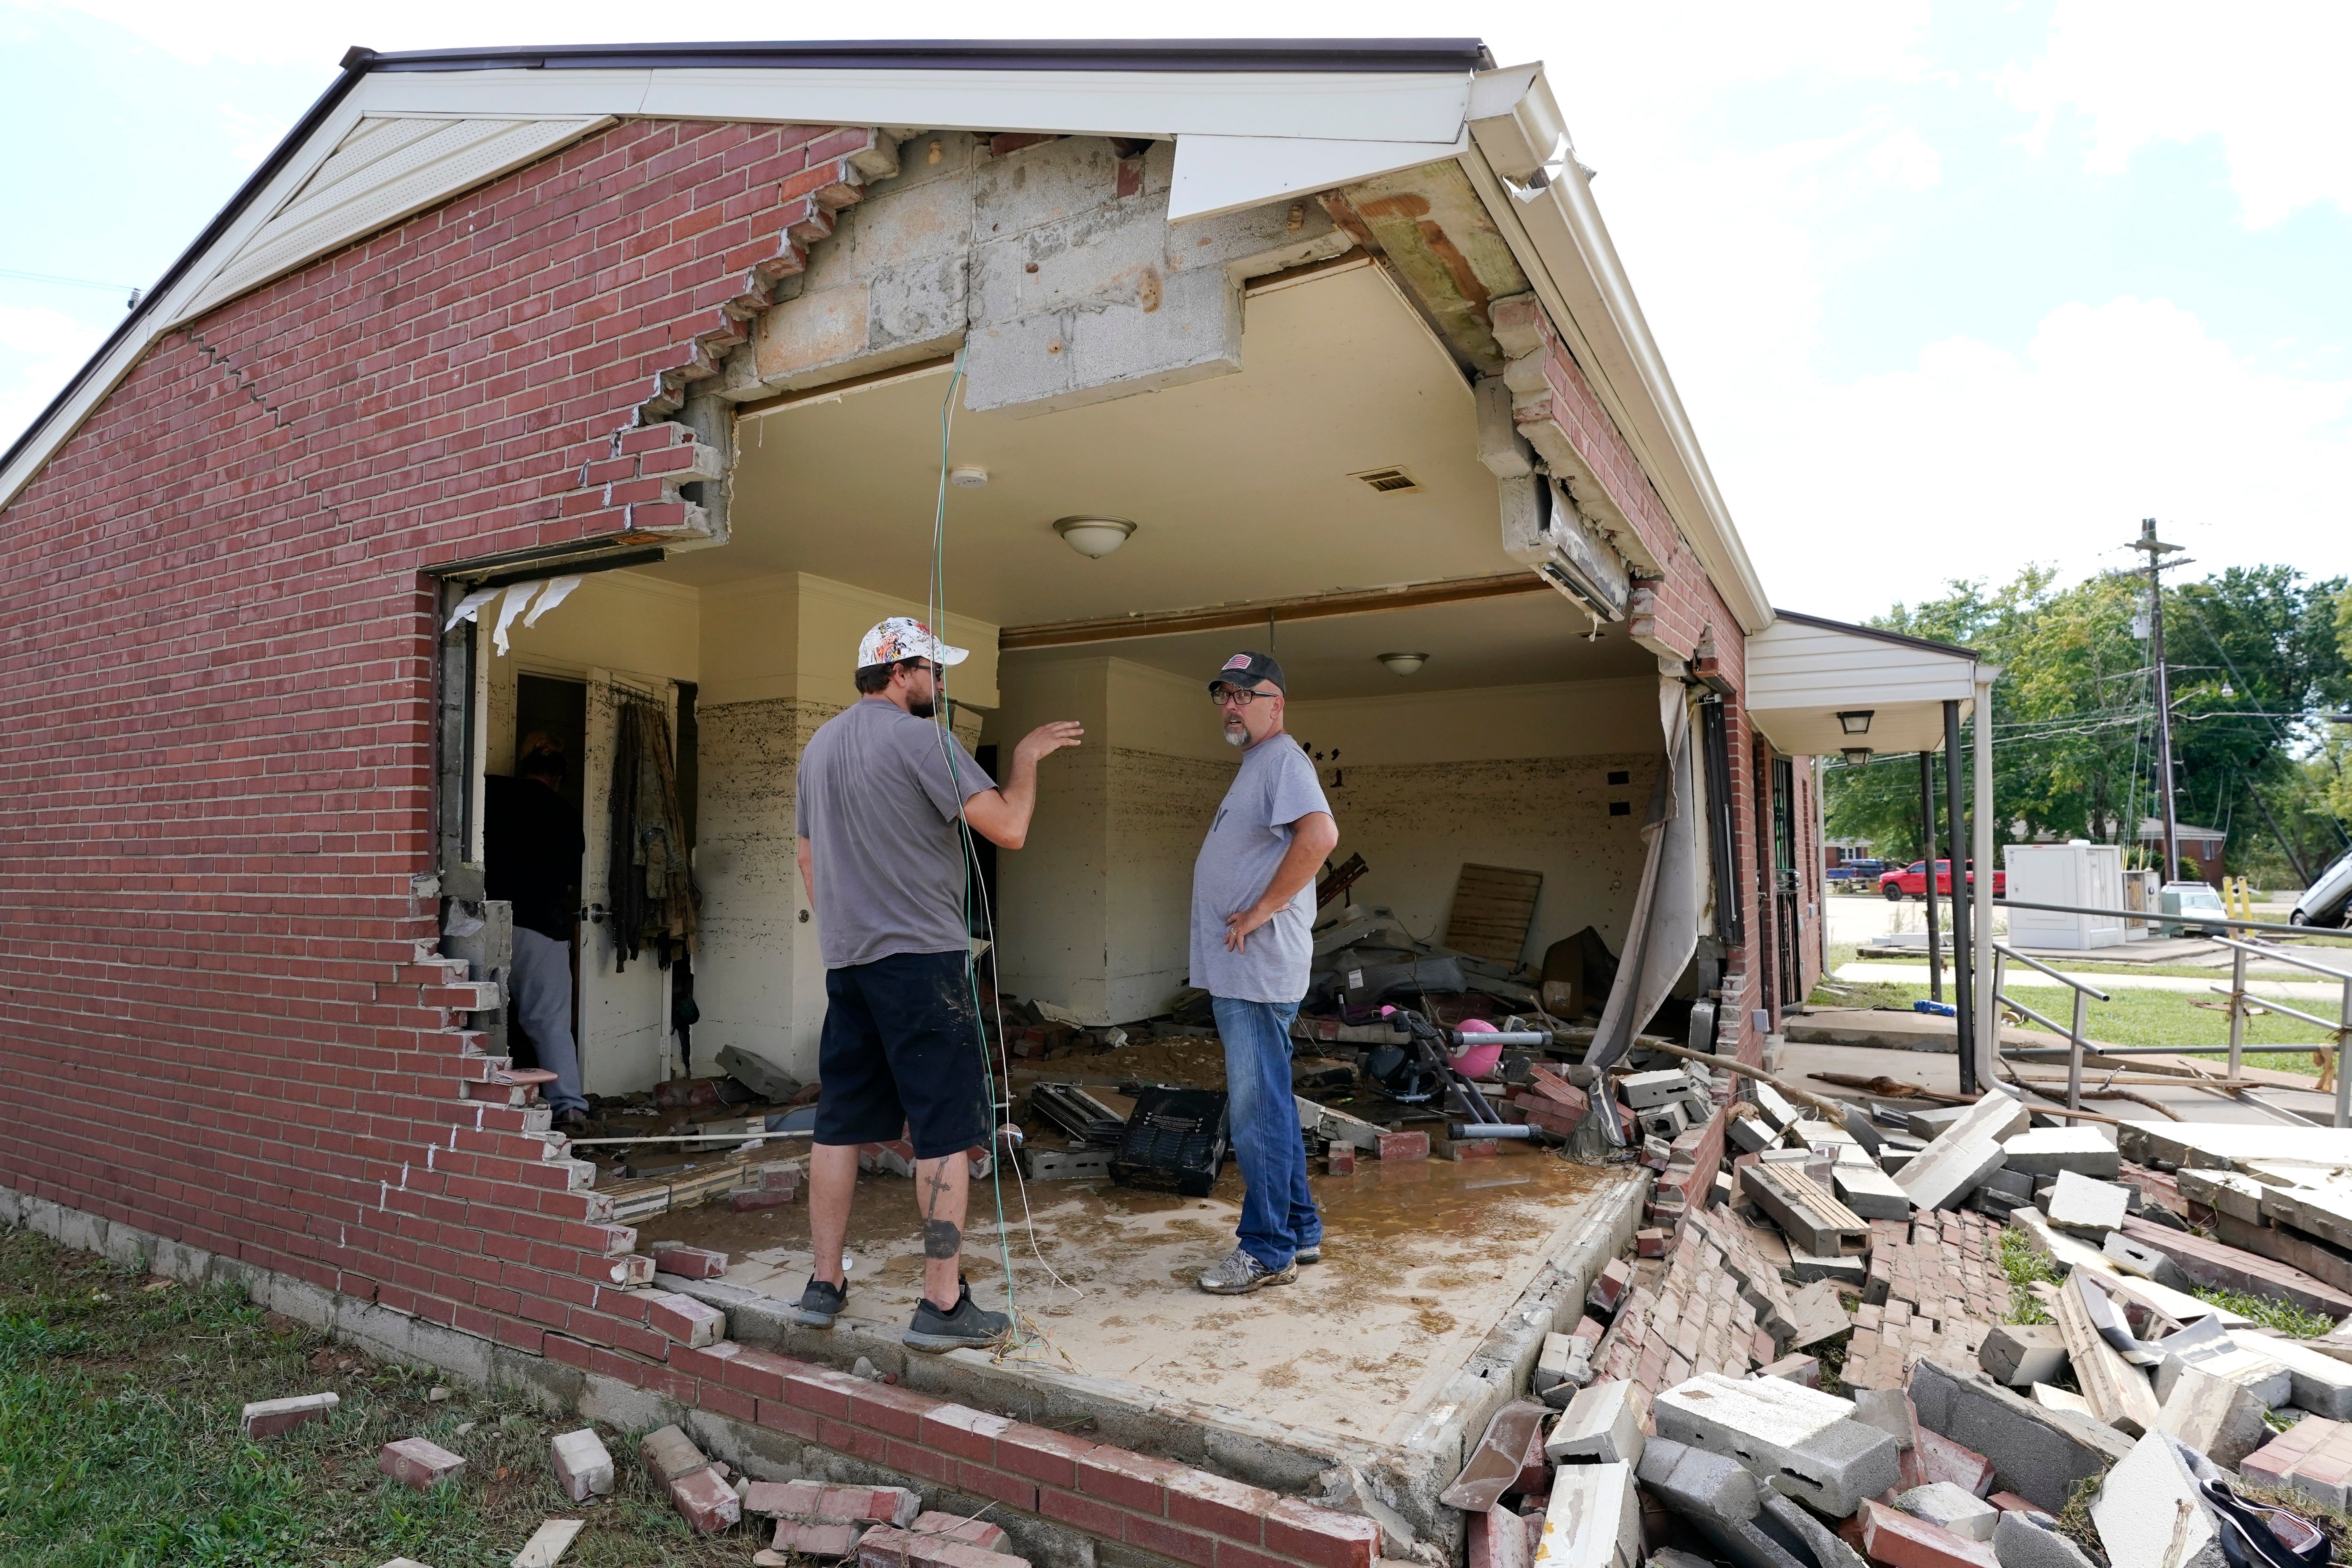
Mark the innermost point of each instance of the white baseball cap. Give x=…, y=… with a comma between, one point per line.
x=903, y=637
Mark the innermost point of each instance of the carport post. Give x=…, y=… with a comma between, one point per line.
x=1987, y=1018
x=1963, y=1003
x=1928, y=832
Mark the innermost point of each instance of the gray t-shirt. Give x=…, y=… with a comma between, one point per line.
x=1276, y=786
x=879, y=810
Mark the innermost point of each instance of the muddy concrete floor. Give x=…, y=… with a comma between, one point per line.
x=1421, y=1260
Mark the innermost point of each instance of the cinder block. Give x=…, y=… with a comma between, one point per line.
x=1811, y=1218
x=2243, y=1361
x=2034, y=1454
x=1593, y=1521
x=1775, y=1107
x=1869, y=1191
x=2084, y=1207
x=2047, y=1150
x=1718, y=1498
x=268, y=1417
x=2151, y=1514
x=1942, y=1503
x=2146, y=1262
x=583, y=1467
x=1809, y=1266
x=2323, y=1384
x=1750, y=1135
x=419, y=1462
x=1604, y=1422
x=2221, y=1419
x=667, y=1453
x=1565, y=1359
x=2019, y=1543
x=2021, y=1355
x=1799, y=1441
x=1643, y=1090
x=1666, y=1121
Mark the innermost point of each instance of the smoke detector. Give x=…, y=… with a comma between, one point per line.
x=967, y=476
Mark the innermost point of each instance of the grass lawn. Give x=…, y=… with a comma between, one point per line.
x=2170, y=1018
x=120, y=1443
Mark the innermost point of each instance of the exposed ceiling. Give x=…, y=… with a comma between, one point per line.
x=1531, y=637
x=1239, y=484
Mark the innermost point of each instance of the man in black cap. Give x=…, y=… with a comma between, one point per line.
x=1252, y=914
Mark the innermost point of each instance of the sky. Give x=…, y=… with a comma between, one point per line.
x=1947, y=290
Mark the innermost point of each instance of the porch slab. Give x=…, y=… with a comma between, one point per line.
x=1422, y=1261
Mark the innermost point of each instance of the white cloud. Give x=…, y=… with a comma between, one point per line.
x=1977, y=460
x=2266, y=78
x=39, y=350
x=1906, y=159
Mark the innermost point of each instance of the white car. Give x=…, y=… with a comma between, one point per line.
x=2324, y=902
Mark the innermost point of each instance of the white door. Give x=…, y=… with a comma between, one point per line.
x=623, y=1018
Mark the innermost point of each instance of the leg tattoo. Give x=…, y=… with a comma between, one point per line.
x=941, y=1238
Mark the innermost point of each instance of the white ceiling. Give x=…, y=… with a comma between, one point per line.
x=1238, y=485
x=1529, y=638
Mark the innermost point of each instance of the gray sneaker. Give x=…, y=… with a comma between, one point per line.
x=1241, y=1274
x=819, y=1304
x=966, y=1327
x=1310, y=1253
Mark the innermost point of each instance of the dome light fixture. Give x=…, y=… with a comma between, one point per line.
x=1093, y=537
x=1402, y=663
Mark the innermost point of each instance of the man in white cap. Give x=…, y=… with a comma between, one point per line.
x=1252, y=914
x=883, y=789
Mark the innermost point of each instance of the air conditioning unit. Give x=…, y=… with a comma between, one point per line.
x=1543, y=531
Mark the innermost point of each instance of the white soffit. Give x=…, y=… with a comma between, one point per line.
x=384, y=170
x=1224, y=174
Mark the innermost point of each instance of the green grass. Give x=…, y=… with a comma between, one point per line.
x=120, y=1443
x=2284, y=1316
x=2026, y=1267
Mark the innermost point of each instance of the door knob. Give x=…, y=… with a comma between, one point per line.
x=594, y=914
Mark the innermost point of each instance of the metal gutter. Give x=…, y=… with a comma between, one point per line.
x=1355, y=55
x=354, y=66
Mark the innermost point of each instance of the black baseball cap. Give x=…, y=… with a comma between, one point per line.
x=1244, y=670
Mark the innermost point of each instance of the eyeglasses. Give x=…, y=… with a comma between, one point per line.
x=1227, y=696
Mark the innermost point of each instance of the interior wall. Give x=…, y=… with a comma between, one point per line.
x=614, y=621
x=780, y=657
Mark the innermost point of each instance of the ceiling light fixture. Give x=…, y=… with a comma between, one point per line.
x=967, y=475
x=1093, y=537
x=1857, y=721
x=1855, y=757
x=1402, y=663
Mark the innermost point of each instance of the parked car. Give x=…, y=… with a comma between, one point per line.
x=1911, y=881
x=2328, y=898
x=1855, y=876
x=2191, y=898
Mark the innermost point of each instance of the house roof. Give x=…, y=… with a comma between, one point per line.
x=1253, y=121
x=2153, y=828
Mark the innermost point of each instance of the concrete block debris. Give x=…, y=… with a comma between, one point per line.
x=1961, y=1511
x=1603, y=1423
x=1593, y=1521
x=2047, y=1150
x=548, y=1542
x=1819, y=1314
x=2221, y=1419
x=1799, y=1441
x=1812, y=1218
x=2086, y=1207
x=2151, y=1513
x=2034, y=1454
x=2225, y=1355
x=1565, y=1359
x=268, y=1417
x=1775, y=1107
x=2117, y=1391
x=2137, y=1257
x=1897, y=1539
x=584, y=1468
x=1643, y=1090
x=419, y=1463
x=2030, y=1540
x=2022, y=1354
x=1751, y=1135
x=1869, y=1191
x=1802, y=1369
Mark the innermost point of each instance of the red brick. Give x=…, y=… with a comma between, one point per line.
x=977, y=1532
x=1134, y=1481
x=419, y=1462
x=1089, y=1514
x=1900, y=1541
x=817, y=1539
x=896, y=1411
x=1321, y=1536
x=705, y=1502
x=966, y=1433
x=1171, y=1540
x=1402, y=1146
x=1041, y=1454
x=1213, y=1503
x=689, y=1262
x=1002, y=1486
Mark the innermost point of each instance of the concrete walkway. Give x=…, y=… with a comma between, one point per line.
x=2017, y=974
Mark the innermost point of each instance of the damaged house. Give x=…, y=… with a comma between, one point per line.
x=605, y=395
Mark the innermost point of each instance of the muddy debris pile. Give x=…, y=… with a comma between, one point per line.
x=1934, y=1337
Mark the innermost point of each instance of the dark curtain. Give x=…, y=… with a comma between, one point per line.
x=654, y=902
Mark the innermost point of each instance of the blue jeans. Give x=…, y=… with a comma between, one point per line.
x=1278, y=1213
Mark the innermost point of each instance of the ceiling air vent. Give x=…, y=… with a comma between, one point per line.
x=1388, y=481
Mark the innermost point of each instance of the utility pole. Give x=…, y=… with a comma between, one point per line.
x=2156, y=550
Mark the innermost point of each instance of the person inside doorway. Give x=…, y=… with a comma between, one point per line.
x=1253, y=916
x=532, y=846
x=883, y=791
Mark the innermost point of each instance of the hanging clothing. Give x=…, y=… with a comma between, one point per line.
x=654, y=902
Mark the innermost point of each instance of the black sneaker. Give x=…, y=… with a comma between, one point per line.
x=819, y=1304
x=933, y=1329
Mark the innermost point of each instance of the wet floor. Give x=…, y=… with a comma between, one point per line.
x=1421, y=1260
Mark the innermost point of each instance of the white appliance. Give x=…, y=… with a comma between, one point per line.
x=2080, y=873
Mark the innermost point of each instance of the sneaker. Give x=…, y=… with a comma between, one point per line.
x=574, y=1120
x=819, y=1304
x=966, y=1326
x=1310, y=1253
x=1241, y=1274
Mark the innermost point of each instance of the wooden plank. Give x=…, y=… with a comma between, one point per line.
x=1492, y=908
x=1249, y=614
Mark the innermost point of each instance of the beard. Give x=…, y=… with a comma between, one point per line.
x=924, y=708
x=1236, y=736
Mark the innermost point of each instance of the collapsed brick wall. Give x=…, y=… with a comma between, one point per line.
x=221, y=1020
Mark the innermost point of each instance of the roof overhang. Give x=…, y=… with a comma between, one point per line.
x=1808, y=678
x=1253, y=121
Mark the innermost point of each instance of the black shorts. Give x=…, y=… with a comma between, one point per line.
x=901, y=1048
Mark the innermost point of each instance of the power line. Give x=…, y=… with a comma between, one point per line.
x=67, y=282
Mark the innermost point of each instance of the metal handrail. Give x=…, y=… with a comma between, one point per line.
x=2002, y=953
x=2283, y=956
x=2157, y=917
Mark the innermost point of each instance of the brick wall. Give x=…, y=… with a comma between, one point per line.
x=218, y=1018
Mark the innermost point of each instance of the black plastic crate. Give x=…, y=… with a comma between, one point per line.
x=1176, y=1138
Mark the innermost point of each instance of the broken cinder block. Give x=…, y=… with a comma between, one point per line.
x=1798, y=1440
x=1603, y=1423
x=2086, y=1207
x=2047, y=1150
x=583, y=1467
x=1942, y=1503
x=1807, y=1213
x=1594, y=1519
x=2022, y=1354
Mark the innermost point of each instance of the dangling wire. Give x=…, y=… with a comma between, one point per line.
x=999, y=1107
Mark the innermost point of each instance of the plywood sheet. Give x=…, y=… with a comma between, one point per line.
x=1492, y=908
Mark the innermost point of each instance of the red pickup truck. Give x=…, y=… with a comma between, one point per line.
x=1911, y=881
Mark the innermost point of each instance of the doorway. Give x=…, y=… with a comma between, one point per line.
x=558, y=710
